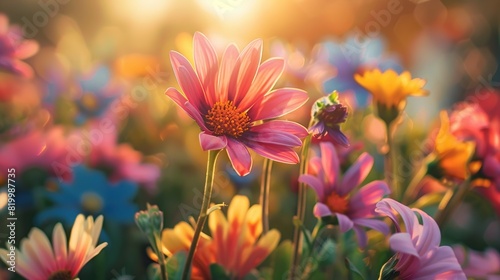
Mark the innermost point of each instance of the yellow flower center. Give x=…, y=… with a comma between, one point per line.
x=224, y=119
x=337, y=203
x=61, y=275
x=91, y=202
x=89, y=101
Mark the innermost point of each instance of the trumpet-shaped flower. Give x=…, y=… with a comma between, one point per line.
x=483, y=265
x=13, y=48
x=229, y=100
x=37, y=259
x=337, y=197
x=237, y=243
x=452, y=155
x=418, y=254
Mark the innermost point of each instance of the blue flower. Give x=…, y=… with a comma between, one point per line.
x=90, y=193
x=356, y=55
x=97, y=92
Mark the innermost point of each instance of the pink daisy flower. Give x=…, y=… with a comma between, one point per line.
x=418, y=254
x=38, y=260
x=230, y=99
x=337, y=197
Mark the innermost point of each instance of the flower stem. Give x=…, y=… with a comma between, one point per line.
x=202, y=218
x=411, y=192
x=390, y=163
x=161, y=258
x=448, y=206
x=265, y=185
x=301, y=207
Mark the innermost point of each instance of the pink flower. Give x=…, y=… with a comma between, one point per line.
x=13, y=48
x=484, y=265
x=336, y=196
x=229, y=100
x=37, y=259
x=34, y=149
x=418, y=254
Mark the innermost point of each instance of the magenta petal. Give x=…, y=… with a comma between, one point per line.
x=264, y=81
x=212, y=142
x=239, y=156
x=277, y=103
x=284, y=126
x=188, y=80
x=388, y=206
x=373, y=224
x=361, y=235
x=182, y=102
x=356, y=173
x=278, y=153
x=430, y=236
x=442, y=264
x=249, y=63
x=314, y=183
x=227, y=65
x=262, y=134
x=321, y=210
x=206, y=64
x=362, y=204
x=401, y=242
x=345, y=223
x=330, y=163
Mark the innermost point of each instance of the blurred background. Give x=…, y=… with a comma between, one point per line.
x=82, y=102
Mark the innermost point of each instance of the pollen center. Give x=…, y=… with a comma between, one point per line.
x=225, y=119
x=337, y=203
x=89, y=102
x=91, y=202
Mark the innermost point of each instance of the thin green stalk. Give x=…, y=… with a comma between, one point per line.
x=202, y=218
x=301, y=207
x=265, y=186
x=412, y=190
x=390, y=164
x=445, y=210
x=161, y=258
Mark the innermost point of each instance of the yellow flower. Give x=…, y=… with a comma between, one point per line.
x=390, y=89
x=236, y=243
x=452, y=155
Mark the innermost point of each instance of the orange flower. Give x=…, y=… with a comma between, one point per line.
x=452, y=155
x=390, y=89
x=236, y=243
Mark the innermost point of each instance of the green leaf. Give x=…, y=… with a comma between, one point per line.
x=218, y=272
x=354, y=272
x=153, y=272
x=282, y=259
x=326, y=255
x=175, y=265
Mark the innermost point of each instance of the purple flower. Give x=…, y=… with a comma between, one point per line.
x=337, y=197
x=418, y=254
x=483, y=265
x=327, y=114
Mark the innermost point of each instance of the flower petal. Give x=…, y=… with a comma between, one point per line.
x=315, y=184
x=277, y=103
x=182, y=102
x=188, y=80
x=267, y=76
x=206, y=64
x=264, y=134
x=212, y=142
x=285, y=126
x=239, y=156
x=228, y=63
x=345, y=223
x=321, y=210
x=278, y=153
x=249, y=63
x=356, y=173
x=363, y=203
x=401, y=242
x=330, y=164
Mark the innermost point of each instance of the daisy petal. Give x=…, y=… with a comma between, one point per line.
x=187, y=79
x=278, y=153
x=212, y=142
x=356, y=173
x=227, y=65
x=277, y=103
x=314, y=183
x=321, y=210
x=239, y=156
x=345, y=223
x=206, y=64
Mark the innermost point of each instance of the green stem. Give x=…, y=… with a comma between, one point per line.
x=391, y=167
x=412, y=191
x=450, y=205
x=202, y=218
x=265, y=185
x=161, y=258
x=301, y=207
